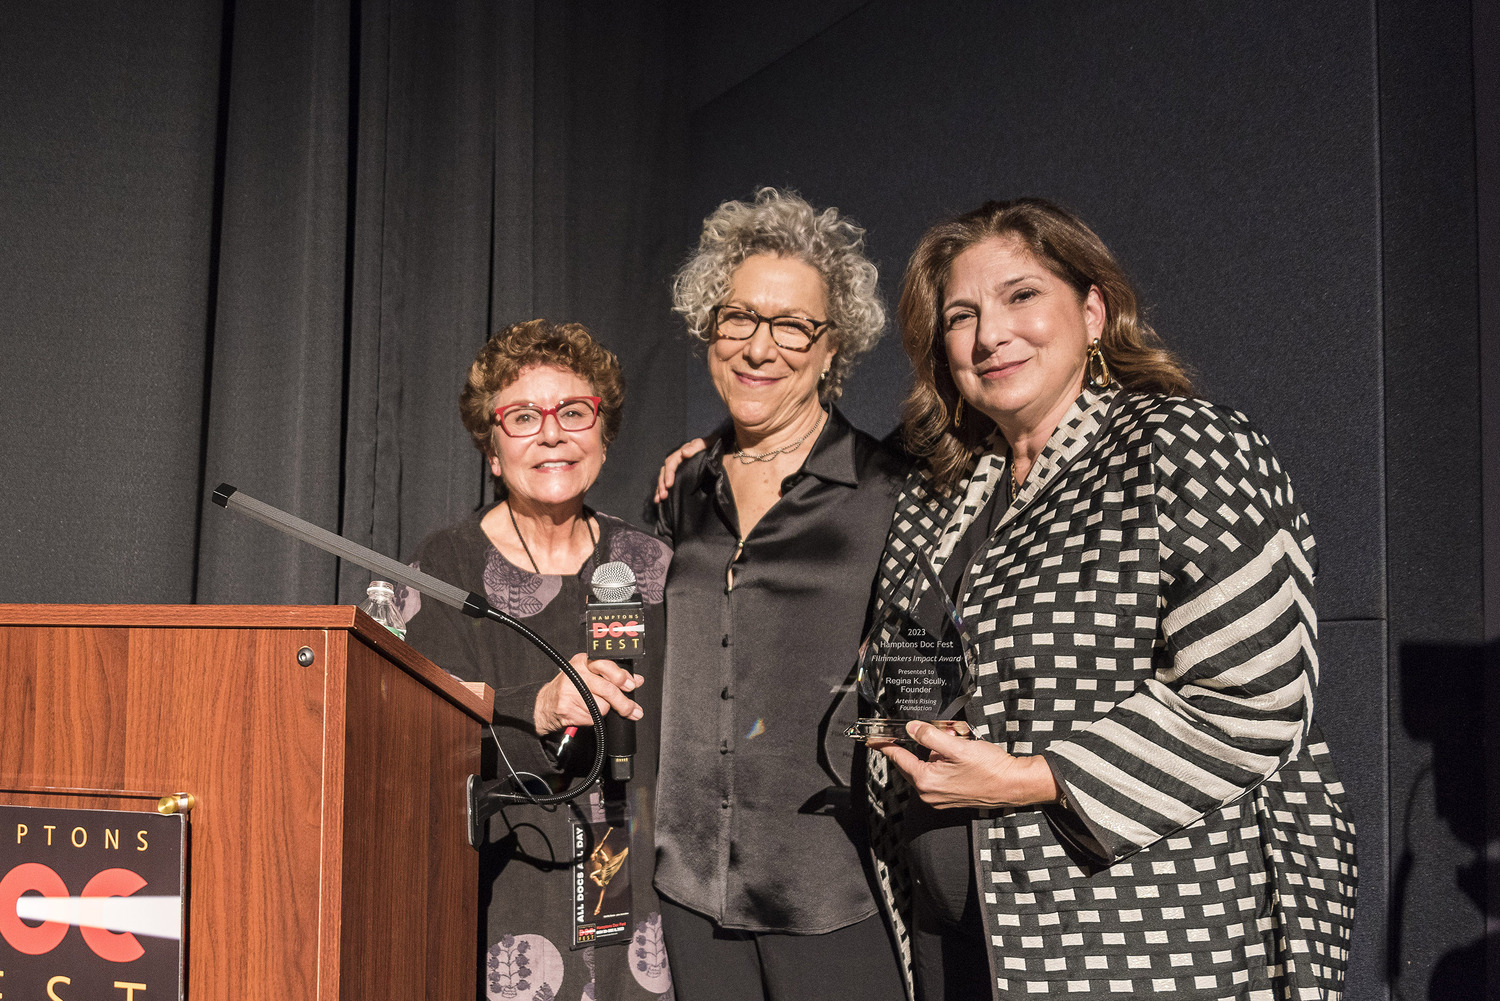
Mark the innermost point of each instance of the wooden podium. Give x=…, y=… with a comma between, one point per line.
x=327, y=853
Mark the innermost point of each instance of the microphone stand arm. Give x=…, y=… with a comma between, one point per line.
x=485, y=798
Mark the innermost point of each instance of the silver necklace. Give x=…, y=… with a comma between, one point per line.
x=748, y=457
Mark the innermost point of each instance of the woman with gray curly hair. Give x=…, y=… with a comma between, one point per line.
x=777, y=528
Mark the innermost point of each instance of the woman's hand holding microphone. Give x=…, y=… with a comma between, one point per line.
x=559, y=706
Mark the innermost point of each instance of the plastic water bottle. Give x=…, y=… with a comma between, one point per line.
x=380, y=605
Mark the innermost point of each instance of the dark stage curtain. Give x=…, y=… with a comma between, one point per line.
x=261, y=242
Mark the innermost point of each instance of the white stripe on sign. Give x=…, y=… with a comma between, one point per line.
x=158, y=917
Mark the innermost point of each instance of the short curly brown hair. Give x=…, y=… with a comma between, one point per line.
x=539, y=342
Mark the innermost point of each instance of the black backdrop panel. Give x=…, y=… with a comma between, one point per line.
x=107, y=126
x=731, y=42
x=1433, y=496
x=1229, y=156
x=1226, y=153
x=1354, y=712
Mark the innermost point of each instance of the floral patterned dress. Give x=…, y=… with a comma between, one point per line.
x=526, y=869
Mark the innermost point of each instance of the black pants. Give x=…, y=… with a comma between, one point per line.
x=709, y=963
x=950, y=951
x=950, y=959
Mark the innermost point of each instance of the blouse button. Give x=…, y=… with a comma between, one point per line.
x=725, y=640
x=723, y=747
x=723, y=804
x=724, y=693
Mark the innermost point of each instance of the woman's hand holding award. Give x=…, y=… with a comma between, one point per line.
x=915, y=662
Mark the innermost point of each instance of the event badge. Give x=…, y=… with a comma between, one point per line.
x=601, y=875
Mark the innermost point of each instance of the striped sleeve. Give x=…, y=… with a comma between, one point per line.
x=1231, y=693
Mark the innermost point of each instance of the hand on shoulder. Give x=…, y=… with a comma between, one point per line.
x=668, y=472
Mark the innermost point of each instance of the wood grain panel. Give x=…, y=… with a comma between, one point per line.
x=230, y=716
x=73, y=741
x=404, y=787
x=474, y=700
x=18, y=722
x=453, y=866
x=226, y=714
x=331, y=904
x=328, y=854
x=182, y=616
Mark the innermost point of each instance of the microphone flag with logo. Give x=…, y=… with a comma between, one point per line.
x=616, y=620
x=615, y=628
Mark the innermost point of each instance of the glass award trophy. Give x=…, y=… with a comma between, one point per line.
x=915, y=663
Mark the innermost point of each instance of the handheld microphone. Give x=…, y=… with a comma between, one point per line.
x=615, y=629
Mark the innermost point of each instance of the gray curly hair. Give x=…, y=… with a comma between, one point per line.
x=784, y=224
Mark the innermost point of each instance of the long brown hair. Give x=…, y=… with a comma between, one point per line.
x=1062, y=243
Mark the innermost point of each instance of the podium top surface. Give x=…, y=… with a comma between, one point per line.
x=476, y=700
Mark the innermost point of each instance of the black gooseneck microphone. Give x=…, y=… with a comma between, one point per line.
x=485, y=799
x=615, y=629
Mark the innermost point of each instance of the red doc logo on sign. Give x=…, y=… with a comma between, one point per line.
x=91, y=904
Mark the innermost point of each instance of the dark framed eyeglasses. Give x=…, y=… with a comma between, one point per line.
x=522, y=420
x=794, y=333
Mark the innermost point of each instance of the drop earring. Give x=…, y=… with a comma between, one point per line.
x=1098, y=369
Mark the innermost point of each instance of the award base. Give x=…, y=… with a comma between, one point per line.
x=895, y=729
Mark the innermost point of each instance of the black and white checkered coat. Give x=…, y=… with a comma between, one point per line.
x=1144, y=615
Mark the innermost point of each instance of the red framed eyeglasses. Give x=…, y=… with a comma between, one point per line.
x=522, y=420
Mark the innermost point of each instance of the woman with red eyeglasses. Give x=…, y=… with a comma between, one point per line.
x=542, y=403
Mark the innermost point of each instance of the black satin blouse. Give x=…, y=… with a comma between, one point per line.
x=755, y=826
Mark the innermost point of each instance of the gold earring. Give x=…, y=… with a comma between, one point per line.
x=1098, y=369
x=958, y=413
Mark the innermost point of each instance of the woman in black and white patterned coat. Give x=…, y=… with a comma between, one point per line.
x=1150, y=808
